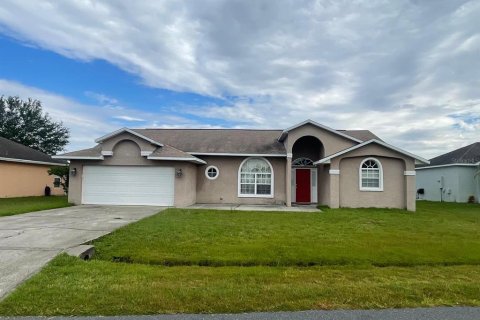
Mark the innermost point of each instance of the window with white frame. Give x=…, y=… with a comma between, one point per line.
x=371, y=175
x=302, y=162
x=255, y=178
x=211, y=172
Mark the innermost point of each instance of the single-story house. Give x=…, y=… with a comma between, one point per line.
x=24, y=171
x=452, y=177
x=308, y=163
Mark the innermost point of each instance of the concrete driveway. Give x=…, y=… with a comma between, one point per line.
x=28, y=241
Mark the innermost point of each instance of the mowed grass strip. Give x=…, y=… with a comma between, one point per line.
x=437, y=234
x=12, y=206
x=69, y=286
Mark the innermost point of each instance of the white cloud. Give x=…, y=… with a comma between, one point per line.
x=101, y=98
x=128, y=118
x=87, y=122
x=407, y=70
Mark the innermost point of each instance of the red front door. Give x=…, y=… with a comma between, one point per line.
x=303, y=185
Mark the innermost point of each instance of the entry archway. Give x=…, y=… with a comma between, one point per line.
x=305, y=151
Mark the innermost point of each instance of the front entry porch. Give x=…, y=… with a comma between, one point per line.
x=302, y=176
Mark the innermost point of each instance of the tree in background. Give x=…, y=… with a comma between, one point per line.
x=26, y=123
x=62, y=173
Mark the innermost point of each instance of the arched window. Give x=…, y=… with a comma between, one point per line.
x=255, y=178
x=302, y=162
x=371, y=175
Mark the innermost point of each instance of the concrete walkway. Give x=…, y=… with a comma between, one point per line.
x=246, y=207
x=28, y=241
x=440, y=313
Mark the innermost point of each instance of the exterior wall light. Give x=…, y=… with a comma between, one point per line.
x=73, y=172
x=179, y=173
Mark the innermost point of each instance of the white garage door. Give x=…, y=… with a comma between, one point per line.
x=126, y=185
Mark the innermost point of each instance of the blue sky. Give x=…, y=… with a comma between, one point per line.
x=406, y=70
x=94, y=82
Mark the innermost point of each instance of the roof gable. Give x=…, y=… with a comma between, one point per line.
x=122, y=130
x=318, y=125
x=384, y=144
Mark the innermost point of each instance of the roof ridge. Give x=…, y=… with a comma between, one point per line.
x=250, y=129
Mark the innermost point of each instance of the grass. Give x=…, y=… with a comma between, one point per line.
x=194, y=261
x=69, y=286
x=448, y=235
x=13, y=206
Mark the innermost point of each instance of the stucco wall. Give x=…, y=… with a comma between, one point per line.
x=393, y=194
x=323, y=184
x=332, y=143
x=401, y=192
x=224, y=189
x=23, y=180
x=110, y=144
x=127, y=153
x=459, y=183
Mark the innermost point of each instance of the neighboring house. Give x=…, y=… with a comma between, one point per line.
x=452, y=176
x=23, y=171
x=306, y=163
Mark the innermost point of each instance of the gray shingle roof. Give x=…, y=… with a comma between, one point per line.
x=12, y=150
x=363, y=135
x=465, y=155
x=237, y=141
x=164, y=152
x=91, y=152
x=218, y=140
x=243, y=141
x=170, y=152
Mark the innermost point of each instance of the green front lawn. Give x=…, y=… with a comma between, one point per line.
x=446, y=234
x=69, y=286
x=222, y=261
x=12, y=206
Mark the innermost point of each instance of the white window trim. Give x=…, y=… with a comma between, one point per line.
x=380, y=188
x=313, y=186
x=272, y=191
x=302, y=158
x=206, y=172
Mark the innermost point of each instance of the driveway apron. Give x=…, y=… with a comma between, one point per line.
x=28, y=241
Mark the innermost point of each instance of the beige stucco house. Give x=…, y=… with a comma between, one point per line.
x=24, y=171
x=306, y=163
